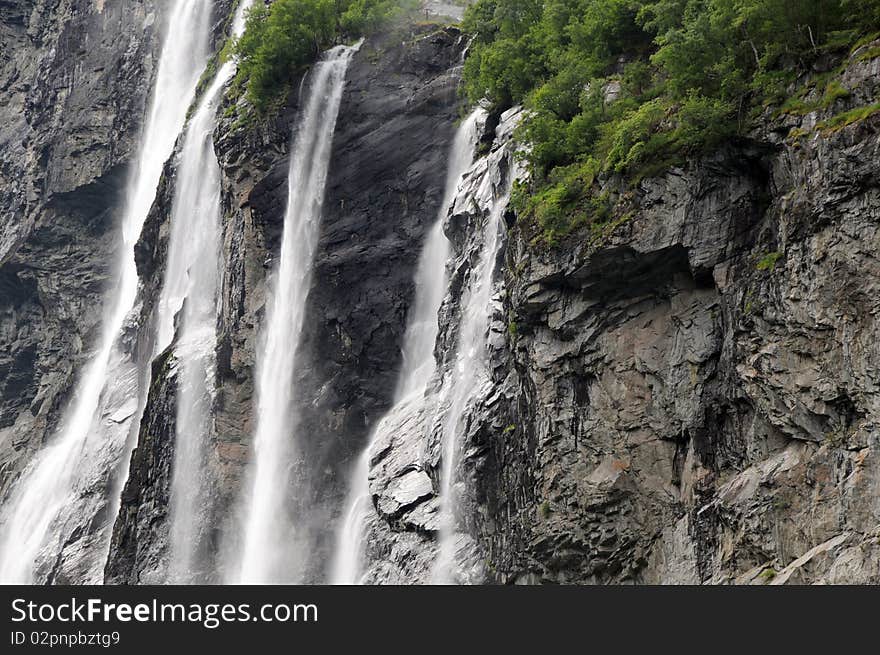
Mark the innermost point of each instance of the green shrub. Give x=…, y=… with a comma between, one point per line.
x=288, y=35
x=640, y=85
x=544, y=510
x=870, y=53
x=628, y=141
x=834, y=91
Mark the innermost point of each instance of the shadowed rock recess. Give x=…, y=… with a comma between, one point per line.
x=689, y=396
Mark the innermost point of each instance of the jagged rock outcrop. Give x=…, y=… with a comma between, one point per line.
x=384, y=191
x=139, y=544
x=685, y=394
x=74, y=81
x=138, y=549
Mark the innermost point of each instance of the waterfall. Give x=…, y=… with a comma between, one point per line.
x=268, y=531
x=50, y=489
x=418, y=353
x=466, y=372
x=191, y=284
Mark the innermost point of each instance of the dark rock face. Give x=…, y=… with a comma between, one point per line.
x=138, y=545
x=254, y=166
x=138, y=552
x=406, y=465
x=690, y=396
x=386, y=185
x=74, y=79
x=684, y=397
x=691, y=399
x=385, y=188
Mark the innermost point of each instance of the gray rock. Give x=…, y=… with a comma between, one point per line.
x=74, y=80
x=690, y=406
x=384, y=190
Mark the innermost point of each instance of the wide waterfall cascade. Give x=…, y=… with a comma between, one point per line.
x=50, y=488
x=268, y=532
x=467, y=370
x=418, y=353
x=191, y=284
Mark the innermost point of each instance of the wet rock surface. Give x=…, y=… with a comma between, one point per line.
x=139, y=546
x=74, y=79
x=384, y=191
x=386, y=183
x=405, y=458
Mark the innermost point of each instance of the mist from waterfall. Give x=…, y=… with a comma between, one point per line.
x=189, y=292
x=467, y=370
x=418, y=355
x=267, y=544
x=48, y=488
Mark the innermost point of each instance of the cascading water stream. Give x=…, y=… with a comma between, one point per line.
x=463, y=379
x=191, y=284
x=48, y=487
x=268, y=532
x=418, y=355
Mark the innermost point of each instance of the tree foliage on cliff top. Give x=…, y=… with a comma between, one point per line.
x=286, y=36
x=633, y=86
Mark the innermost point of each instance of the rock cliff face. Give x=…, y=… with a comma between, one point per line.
x=691, y=393
x=406, y=457
x=74, y=79
x=77, y=79
x=385, y=189
x=686, y=394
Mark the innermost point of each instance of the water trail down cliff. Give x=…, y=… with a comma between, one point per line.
x=268, y=538
x=51, y=489
x=418, y=354
x=463, y=378
x=191, y=283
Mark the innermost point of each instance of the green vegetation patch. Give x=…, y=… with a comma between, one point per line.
x=844, y=119
x=768, y=261
x=633, y=87
x=282, y=39
x=544, y=510
x=869, y=53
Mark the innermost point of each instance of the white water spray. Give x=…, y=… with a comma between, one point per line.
x=48, y=489
x=268, y=532
x=467, y=371
x=191, y=283
x=418, y=355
